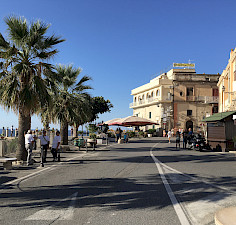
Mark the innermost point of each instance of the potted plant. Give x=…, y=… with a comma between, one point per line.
x=92, y=136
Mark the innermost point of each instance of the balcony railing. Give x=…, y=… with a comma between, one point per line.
x=143, y=102
x=208, y=99
x=204, y=99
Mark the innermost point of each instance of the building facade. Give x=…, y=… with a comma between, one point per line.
x=227, y=85
x=178, y=99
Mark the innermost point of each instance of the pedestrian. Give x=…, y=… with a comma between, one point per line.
x=3, y=132
x=35, y=140
x=120, y=133
x=125, y=137
x=185, y=139
x=56, y=146
x=117, y=134
x=16, y=132
x=169, y=135
x=29, y=145
x=12, y=130
x=177, y=139
x=44, y=139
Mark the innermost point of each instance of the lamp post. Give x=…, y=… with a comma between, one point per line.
x=223, y=90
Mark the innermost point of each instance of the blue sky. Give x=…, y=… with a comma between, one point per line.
x=122, y=44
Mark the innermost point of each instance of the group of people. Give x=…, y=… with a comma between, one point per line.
x=12, y=131
x=119, y=135
x=30, y=140
x=186, y=135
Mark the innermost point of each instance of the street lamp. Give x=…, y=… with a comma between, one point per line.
x=223, y=90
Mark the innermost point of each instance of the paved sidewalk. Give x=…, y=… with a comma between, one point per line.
x=19, y=171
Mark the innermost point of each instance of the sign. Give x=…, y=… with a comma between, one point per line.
x=234, y=117
x=184, y=65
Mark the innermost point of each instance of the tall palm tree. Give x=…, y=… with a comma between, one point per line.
x=70, y=103
x=26, y=73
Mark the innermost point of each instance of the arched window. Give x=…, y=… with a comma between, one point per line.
x=147, y=96
x=157, y=93
x=135, y=99
x=143, y=97
x=152, y=94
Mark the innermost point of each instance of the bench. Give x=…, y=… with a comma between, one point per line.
x=7, y=162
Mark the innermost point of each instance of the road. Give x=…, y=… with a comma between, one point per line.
x=146, y=181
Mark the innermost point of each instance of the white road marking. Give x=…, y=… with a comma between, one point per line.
x=178, y=209
x=56, y=214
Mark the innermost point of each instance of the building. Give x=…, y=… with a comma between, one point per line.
x=178, y=99
x=227, y=85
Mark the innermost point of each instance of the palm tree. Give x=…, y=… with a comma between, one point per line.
x=70, y=103
x=26, y=73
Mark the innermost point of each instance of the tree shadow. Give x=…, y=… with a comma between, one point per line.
x=119, y=193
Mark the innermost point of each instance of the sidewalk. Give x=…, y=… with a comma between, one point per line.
x=7, y=177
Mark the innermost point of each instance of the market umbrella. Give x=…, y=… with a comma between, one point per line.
x=108, y=122
x=133, y=121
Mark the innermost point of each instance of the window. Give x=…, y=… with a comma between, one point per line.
x=150, y=115
x=215, y=109
x=135, y=99
x=189, y=112
x=157, y=93
x=190, y=91
x=181, y=93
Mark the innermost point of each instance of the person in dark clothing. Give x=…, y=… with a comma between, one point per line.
x=177, y=139
x=185, y=139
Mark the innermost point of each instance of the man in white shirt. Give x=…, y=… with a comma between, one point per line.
x=56, y=146
x=29, y=145
x=44, y=140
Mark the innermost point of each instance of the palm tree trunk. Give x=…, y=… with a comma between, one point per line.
x=75, y=130
x=24, y=123
x=64, y=132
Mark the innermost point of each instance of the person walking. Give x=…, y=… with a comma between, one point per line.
x=44, y=139
x=185, y=139
x=12, y=130
x=35, y=140
x=117, y=134
x=16, y=132
x=56, y=146
x=177, y=141
x=169, y=135
x=29, y=145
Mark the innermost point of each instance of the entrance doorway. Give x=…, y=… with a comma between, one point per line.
x=189, y=124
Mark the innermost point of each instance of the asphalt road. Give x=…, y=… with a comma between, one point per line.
x=145, y=181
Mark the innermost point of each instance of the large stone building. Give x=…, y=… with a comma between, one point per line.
x=178, y=99
x=227, y=85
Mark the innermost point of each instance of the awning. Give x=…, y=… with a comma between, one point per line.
x=218, y=116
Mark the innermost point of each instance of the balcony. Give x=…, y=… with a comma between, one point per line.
x=208, y=99
x=204, y=99
x=148, y=101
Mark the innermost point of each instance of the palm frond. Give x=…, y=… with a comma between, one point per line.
x=18, y=29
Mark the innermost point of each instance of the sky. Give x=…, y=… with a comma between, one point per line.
x=123, y=44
